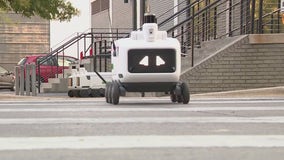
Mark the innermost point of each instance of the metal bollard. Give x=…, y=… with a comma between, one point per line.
x=27, y=80
x=33, y=79
x=22, y=80
x=17, y=80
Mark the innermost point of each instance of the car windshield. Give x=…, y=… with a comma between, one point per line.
x=66, y=61
x=22, y=61
x=3, y=70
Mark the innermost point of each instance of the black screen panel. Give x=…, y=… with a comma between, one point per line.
x=152, y=60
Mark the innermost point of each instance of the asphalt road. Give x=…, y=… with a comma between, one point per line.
x=141, y=128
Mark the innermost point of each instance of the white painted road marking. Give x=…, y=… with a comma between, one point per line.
x=152, y=141
x=153, y=109
x=127, y=100
x=152, y=120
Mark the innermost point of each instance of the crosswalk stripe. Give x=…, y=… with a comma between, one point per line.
x=152, y=141
x=152, y=120
x=154, y=109
x=127, y=100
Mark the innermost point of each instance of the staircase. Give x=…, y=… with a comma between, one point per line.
x=250, y=61
x=57, y=85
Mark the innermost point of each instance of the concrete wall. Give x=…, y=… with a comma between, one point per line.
x=244, y=64
x=21, y=36
x=160, y=7
x=122, y=14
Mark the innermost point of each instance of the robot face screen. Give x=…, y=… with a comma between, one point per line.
x=152, y=60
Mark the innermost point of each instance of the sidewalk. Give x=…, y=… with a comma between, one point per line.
x=262, y=93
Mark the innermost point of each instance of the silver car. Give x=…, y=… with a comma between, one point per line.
x=7, y=79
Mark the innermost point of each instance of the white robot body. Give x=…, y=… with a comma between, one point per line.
x=147, y=61
x=84, y=84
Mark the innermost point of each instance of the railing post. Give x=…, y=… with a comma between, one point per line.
x=278, y=17
x=230, y=18
x=215, y=23
x=208, y=14
x=85, y=46
x=247, y=16
x=100, y=58
x=105, y=55
x=242, y=17
x=252, y=16
x=272, y=24
x=63, y=58
x=198, y=21
x=57, y=67
x=39, y=78
x=95, y=56
x=203, y=27
x=260, y=26
x=182, y=37
x=78, y=48
x=192, y=37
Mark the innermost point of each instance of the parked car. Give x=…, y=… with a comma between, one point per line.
x=7, y=79
x=50, y=68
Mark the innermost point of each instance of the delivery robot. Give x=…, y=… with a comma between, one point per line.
x=87, y=84
x=147, y=61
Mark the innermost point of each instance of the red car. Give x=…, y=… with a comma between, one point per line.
x=51, y=67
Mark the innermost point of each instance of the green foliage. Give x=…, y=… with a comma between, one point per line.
x=47, y=9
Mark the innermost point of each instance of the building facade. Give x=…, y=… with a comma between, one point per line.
x=127, y=13
x=20, y=36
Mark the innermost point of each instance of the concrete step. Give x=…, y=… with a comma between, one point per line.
x=46, y=85
x=53, y=80
x=57, y=85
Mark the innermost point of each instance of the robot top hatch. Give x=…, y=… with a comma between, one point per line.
x=147, y=56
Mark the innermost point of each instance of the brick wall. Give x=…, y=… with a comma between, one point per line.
x=240, y=65
x=21, y=36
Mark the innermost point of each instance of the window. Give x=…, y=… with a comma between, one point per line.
x=99, y=5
